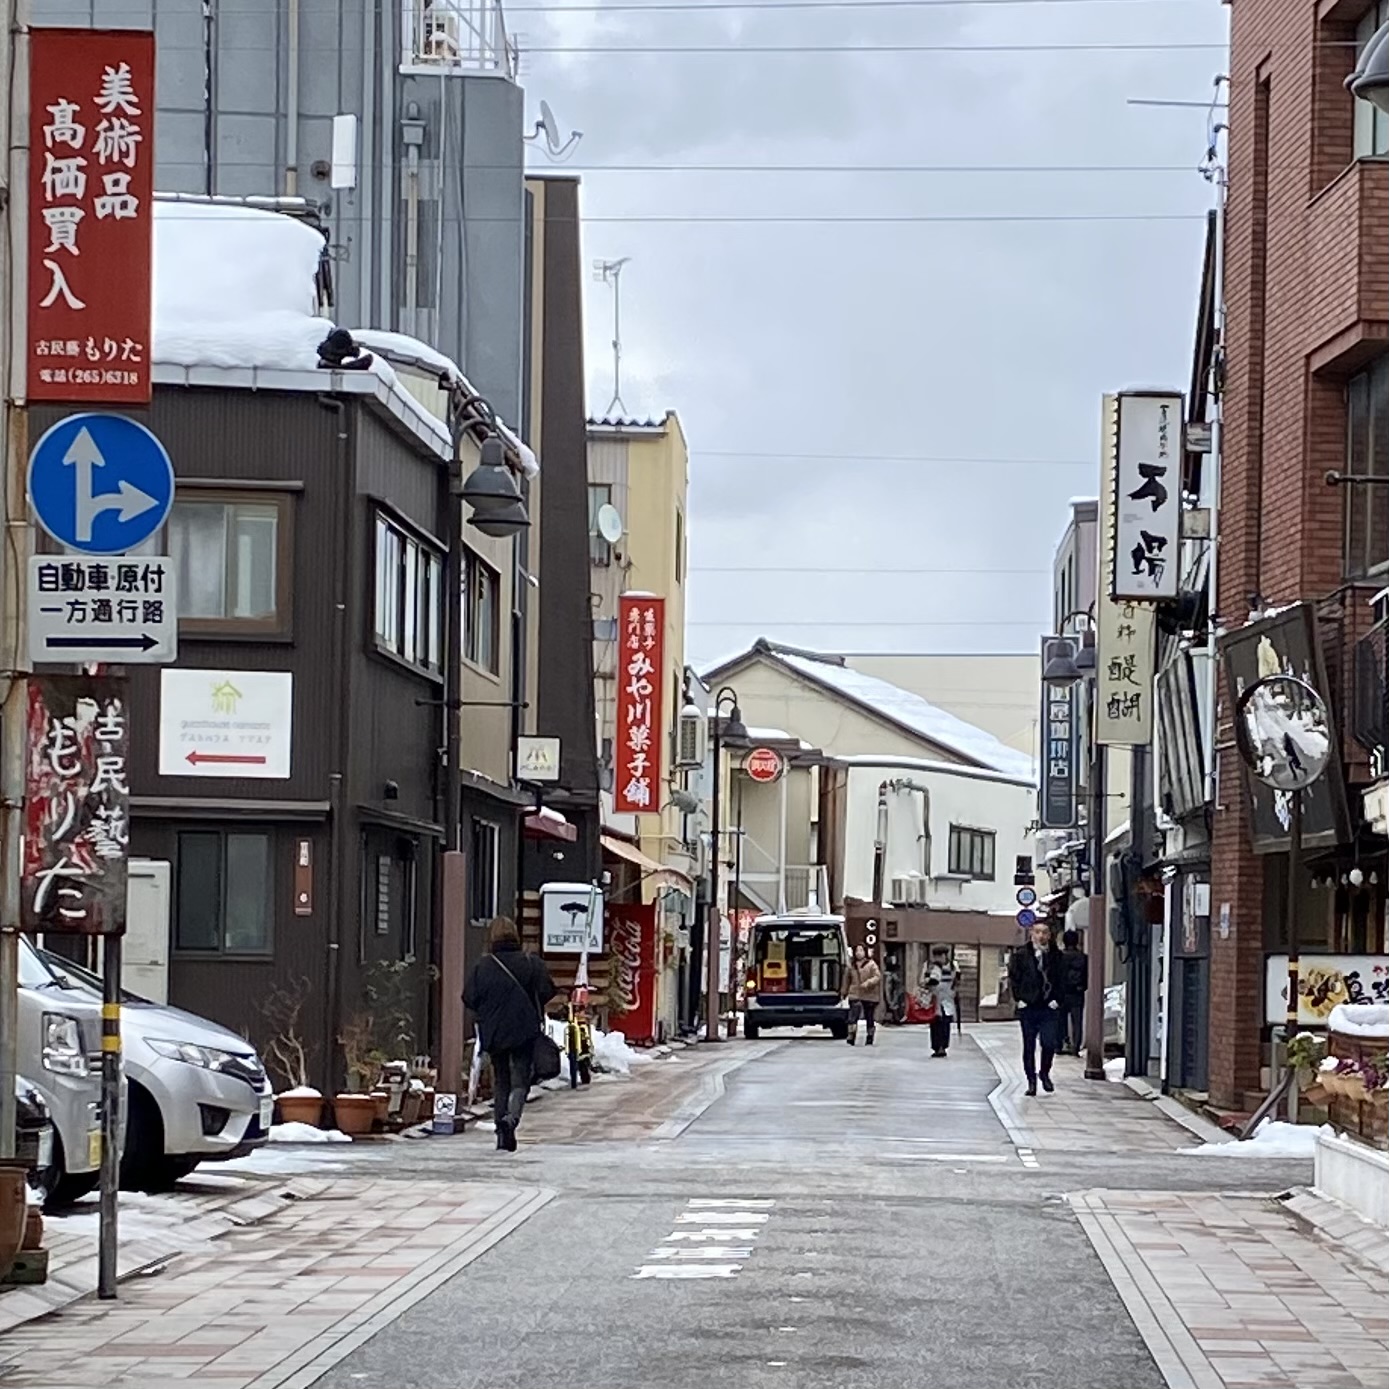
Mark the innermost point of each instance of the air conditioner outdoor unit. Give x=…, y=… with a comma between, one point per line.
x=902, y=889
x=690, y=736
x=918, y=889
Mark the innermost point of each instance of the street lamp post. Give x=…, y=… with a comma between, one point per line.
x=732, y=732
x=1065, y=670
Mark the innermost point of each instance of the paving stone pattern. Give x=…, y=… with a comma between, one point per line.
x=1232, y=1292
x=274, y=1305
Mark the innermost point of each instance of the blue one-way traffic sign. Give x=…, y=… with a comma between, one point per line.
x=100, y=483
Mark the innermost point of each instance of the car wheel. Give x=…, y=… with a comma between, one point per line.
x=750, y=1029
x=61, y=1187
x=144, y=1166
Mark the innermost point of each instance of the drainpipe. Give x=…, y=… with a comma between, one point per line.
x=880, y=846
x=340, y=742
x=412, y=236
x=781, y=845
x=292, y=102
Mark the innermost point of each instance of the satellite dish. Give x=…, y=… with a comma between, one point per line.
x=547, y=126
x=609, y=523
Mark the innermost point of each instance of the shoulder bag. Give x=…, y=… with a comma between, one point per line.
x=545, y=1057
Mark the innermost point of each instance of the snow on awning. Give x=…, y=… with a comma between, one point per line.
x=550, y=824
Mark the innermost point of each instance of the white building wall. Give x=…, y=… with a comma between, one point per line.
x=978, y=801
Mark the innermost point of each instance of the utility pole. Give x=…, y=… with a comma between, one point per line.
x=14, y=138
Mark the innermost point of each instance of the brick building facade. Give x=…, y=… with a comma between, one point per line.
x=1306, y=291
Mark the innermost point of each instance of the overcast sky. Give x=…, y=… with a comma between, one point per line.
x=974, y=341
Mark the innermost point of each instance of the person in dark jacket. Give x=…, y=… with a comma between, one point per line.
x=1075, y=980
x=508, y=990
x=1036, y=979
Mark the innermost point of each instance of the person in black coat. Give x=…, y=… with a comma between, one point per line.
x=1075, y=981
x=508, y=990
x=1036, y=977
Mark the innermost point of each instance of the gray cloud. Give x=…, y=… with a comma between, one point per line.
x=989, y=339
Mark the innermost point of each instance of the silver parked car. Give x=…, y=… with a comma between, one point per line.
x=197, y=1092
x=60, y=1053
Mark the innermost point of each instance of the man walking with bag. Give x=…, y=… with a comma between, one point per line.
x=508, y=990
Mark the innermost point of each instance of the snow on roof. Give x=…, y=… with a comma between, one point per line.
x=890, y=762
x=412, y=352
x=909, y=710
x=235, y=287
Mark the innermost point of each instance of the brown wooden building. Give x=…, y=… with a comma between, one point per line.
x=306, y=534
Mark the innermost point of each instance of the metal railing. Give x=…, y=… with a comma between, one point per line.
x=1369, y=718
x=456, y=36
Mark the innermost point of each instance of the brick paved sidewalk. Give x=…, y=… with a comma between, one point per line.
x=1233, y=1292
x=273, y=1306
x=153, y=1229
x=1083, y=1116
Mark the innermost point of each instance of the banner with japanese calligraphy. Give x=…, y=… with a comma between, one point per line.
x=1126, y=635
x=632, y=990
x=77, y=806
x=1056, y=787
x=1144, y=482
x=638, y=784
x=91, y=190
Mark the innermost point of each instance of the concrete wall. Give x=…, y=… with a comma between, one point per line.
x=977, y=802
x=223, y=126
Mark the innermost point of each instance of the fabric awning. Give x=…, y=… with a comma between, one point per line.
x=550, y=824
x=662, y=873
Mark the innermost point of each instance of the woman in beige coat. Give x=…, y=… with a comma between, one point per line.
x=863, y=987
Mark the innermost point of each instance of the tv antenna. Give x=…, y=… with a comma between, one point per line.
x=556, y=149
x=609, y=272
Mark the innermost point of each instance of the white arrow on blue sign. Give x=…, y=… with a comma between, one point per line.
x=1027, y=918
x=100, y=483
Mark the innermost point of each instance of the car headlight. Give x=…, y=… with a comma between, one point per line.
x=209, y=1058
x=62, y=1045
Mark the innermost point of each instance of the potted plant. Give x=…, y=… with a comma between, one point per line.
x=354, y=1111
x=300, y=1103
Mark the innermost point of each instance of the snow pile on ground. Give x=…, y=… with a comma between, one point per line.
x=1114, y=1068
x=611, y=1053
x=1272, y=1139
x=306, y=1133
x=140, y=1217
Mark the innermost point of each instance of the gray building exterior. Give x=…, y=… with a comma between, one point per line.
x=420, y=184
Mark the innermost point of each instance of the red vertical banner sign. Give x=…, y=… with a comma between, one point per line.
x=76, y=806
x=631, y=941
x=91, y=215
x=637, y=785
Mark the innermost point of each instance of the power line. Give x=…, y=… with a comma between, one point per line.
x=1012, y=169
x=871, y=457
x=903, y=219
x=882, y=571
x=860, y=622
x=756, y=6
x=734, y=48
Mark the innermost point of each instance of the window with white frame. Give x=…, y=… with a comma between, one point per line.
x=408, y=605
x=971, y=852
x=1371, y=124
x=482, y=606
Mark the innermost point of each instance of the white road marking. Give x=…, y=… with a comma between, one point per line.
x=708, y=1252
x=720, y=1204
x=952, y=1157
x=721, y=1218
x=1028, y=1158
x=723, y=1232
x=701, y=1251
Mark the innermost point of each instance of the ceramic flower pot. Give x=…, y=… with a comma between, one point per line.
x=410, y=1107
x=13, y=1210
x=354, y=1115
x=33, y=1229
x=382, y=1101
x=300, y=1109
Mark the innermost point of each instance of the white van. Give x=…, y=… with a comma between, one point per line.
x=795, y=975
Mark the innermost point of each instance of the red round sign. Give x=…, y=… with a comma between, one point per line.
x=763, y=764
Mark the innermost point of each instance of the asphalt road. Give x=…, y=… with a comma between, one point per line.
x=839, y=1217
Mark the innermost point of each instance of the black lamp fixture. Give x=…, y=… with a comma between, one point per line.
x=1370, y=80
x=733, y=731
x=1065, y=665
x=491, y=492
x=1062, y=669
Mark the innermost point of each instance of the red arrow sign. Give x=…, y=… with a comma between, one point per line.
x=225, y=759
